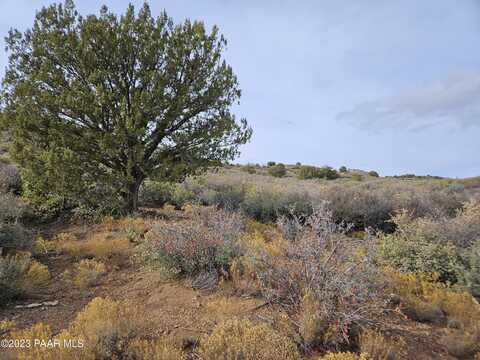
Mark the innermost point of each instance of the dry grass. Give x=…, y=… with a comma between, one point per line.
x=343, y=356
x=86, y=273
x=378, y=347
x=240, y=339
x=155, y=350
x=106, y=246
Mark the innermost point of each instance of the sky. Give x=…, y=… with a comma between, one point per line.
x=391, y=86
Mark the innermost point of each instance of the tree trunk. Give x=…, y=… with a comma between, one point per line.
x=132, y=195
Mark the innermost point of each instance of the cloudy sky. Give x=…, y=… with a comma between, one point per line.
x=387, y=85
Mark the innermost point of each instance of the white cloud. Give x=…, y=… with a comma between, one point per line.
x=455, y=100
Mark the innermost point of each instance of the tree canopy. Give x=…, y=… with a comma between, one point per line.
x=97, y=104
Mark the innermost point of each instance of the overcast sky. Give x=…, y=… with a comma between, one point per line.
x=387, y=85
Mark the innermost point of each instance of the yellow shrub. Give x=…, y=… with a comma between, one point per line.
x=106, y=327
x=155, y=350
x=6, y=326
x=86, y=273
x=422, y=294
x=36, y=351
x=36, y=276
x=344, y=356
x=377, y=347
x=239, y=339
x=42, y=246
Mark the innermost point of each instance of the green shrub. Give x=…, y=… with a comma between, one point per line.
x=181, y=196
x=409, y=249
x=271, y=163
x=266, y=205
x=470, y=271
x=312, y=172
x=373, y=173
x=13, y=235
x=277, y=170
x=156, y=193
x=343, y=169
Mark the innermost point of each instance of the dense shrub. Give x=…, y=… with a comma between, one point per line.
x=277, y=170
x=410, y=249
x=19, y=274
x=314, y=278
x=156, y=193
x=373, y=173
x=240, y=339
x=469, y=276
x=343, y=169
x=271, y=163
x=13, y=235
x=204, y=245
x=312, y=172
x=443, y=245
x=366, y=204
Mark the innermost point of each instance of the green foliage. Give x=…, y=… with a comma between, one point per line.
x=343, y=169
x=97, y=104
x=373, y=173
x=271, y=163
x=470, y=276
x=181, y=196
x=277, y=170
x=156, y=193
x=13, y=235
x=446, y=246
x=312, y=172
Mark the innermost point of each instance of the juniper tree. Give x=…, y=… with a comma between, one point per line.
x=105, y=101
